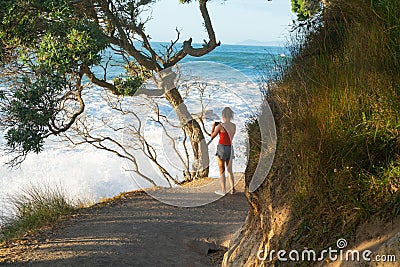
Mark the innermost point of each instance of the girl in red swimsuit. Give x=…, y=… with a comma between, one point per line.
x=225, y=156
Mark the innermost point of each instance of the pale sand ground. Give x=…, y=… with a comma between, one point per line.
x=136, y=230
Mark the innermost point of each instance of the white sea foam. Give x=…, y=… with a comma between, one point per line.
x=90, y=174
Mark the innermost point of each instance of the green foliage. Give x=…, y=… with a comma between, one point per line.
x=129, y=85
x=66, y=51
x=135, y=76
x=339, y=119
x=46, y=43
x=305, y=9
x=22, y=22
x=32, y=106
x=35, y=207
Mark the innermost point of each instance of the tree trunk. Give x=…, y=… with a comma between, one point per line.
x=246, y=244
x=268, y=226
x=190, y=126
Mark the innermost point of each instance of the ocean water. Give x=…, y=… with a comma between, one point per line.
x=232, y=75
x=252, y=61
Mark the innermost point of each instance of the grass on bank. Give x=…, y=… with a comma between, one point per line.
x=35, y=207
x=337, y=111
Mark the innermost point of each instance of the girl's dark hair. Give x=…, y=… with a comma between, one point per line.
x=227, y=113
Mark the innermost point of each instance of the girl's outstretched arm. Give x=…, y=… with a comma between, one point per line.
x=214, y=131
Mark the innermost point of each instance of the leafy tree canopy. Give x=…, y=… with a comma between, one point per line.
x=48, y=47
x=305, y=9
x=42, y=43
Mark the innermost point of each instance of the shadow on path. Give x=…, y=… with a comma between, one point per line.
x=138, y=231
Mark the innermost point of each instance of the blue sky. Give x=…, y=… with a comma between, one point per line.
x=233, y=20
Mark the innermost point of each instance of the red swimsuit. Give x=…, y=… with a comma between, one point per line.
x=224, y=139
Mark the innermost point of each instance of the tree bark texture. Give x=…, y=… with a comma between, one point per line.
x=189, y=124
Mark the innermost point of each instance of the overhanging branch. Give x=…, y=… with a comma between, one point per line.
x=54, y=129
x=188, y=49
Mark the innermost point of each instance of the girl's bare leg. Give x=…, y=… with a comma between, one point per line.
x=230, y=175
x=222, y=174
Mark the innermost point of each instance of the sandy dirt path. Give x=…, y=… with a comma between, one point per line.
x=135, y=230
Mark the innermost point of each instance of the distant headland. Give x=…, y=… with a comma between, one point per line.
x=253, y=42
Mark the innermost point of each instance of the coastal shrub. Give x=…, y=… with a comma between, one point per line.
x=337, y=112
x=33, y=208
